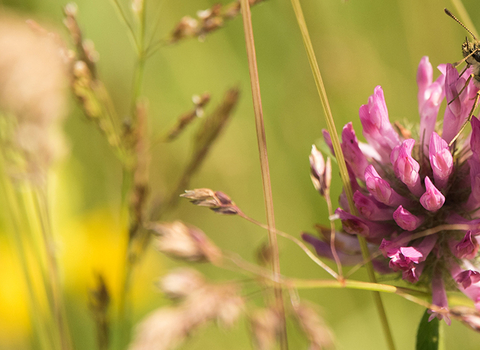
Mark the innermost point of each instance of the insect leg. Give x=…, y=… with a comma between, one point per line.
x=475, y=104
x=464, y=86
x=464, y=70
x=456, y=64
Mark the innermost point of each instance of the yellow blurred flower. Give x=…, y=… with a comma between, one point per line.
x=88, y=245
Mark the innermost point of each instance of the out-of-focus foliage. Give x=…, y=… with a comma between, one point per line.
x=359, y=43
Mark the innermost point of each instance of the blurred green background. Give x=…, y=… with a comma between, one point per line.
x=359, y=43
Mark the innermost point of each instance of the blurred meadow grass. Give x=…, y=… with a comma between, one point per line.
x=359, y=44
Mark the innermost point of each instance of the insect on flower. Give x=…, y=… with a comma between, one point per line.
x=471, y=55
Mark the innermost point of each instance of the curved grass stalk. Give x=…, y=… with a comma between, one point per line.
x=413, y=295
x=295, y=240
x=293, y=284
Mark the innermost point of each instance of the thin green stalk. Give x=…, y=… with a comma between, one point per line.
x=131, y=32
x=413, y=295
x=156, y=26
x=13, y=212
x=141, y=59
x=416, y=296
x=248, y=268
x=441, y=335
x=295, y=240
x=32, y=235
x=111, y=118
x=34, y=208
x=138, y=79
x=262, y=148
x=124, y=302
x=58, y=306
x=308, y=284
x=340, y=160
x=410, y=294
x=128, y=269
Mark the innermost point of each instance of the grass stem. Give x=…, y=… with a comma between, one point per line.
x=124, y=307
x=262, y=148
x=58, y=306
x=46, y=342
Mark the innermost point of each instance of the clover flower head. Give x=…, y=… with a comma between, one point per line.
x=406, y=188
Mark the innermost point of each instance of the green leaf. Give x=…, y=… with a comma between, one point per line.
x=428, y=334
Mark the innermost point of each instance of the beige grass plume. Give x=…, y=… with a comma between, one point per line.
x=32, y=98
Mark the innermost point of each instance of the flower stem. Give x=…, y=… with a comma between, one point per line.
x=441, y=335
x=413, y=295
x=407, y=293
x=262, y=147
x=340, y=159
x=332, y=235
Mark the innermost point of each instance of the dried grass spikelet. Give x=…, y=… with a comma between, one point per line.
x=99, y=302
x=230, y=305
x=168, y=328
x=317, y=332
x=207, y=21
x=220, y=303
x=185, y=242
x=162, y=330
x=204, y=301
x=32, y=98
x=217, y=201
x=138, y=142
x=265, y=327
x=214, y=124
x=208, y=132
x=89, y=90
x=181, y=282
x=84, y=49
x=199, y=101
